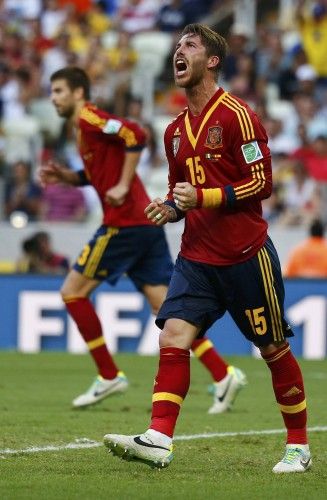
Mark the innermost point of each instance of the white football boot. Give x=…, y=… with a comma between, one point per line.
x=225, y=391
x=297, y=458
x=100, y=389
x=148, y=448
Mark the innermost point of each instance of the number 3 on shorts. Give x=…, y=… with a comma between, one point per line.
x=257, y=320
x=84, y=255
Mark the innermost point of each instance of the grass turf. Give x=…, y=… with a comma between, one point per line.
x=36, y=392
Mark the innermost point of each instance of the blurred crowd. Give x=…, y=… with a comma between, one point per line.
x=126, y=47
x=39, y=257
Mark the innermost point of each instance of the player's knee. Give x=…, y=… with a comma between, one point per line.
x=64, y=294
x=271, y=348
x=171, y=336
x=167, y=339
x=68, y=291
x=73, y=287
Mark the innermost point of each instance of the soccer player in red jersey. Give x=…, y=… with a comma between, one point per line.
x=219, y=171
x=126, y=242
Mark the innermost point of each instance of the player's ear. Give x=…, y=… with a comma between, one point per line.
x=213, y=62
x=79, y=93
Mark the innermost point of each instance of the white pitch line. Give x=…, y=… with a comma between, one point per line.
x=242, y=433
x=79, y=444
x=82, y=443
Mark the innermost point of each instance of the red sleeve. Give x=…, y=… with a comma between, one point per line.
x=248, y=144
x=95, y=120
x=174, y=173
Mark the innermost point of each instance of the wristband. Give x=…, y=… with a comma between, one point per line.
x=83, y=180
x=212, y=198
x=180, y=214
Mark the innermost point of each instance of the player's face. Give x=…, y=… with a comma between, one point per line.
x=62, y=98
x=190, y=61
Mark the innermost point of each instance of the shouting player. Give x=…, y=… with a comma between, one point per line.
x=126, y=242
x=219, y=171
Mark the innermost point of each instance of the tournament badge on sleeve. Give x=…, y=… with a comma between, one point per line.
x=251, y=152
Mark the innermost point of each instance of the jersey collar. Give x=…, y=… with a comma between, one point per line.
x=207, y=111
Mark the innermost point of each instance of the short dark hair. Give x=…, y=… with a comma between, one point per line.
x=32, y=244
x=214, y=43
x=75, y=78
x=317, y=228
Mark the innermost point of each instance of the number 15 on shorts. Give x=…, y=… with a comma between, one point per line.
x=257, y=320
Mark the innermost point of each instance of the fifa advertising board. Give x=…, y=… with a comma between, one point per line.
x=33, y=318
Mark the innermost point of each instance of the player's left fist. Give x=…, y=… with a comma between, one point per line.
x=185, y=196
x=159, y=213
x=116, y=195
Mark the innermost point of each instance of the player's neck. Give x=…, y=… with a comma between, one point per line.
x=199, y=96
x=78, y=108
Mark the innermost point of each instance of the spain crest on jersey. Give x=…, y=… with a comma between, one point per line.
x=215, y=137
x=176, y=141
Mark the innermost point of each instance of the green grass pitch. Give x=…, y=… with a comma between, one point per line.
x=36, y=392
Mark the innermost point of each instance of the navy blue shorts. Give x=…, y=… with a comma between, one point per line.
x=252, y=292
x=141, y=252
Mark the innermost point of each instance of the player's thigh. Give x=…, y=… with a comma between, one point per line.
x=191, y=297
x=77, y=285
x=107, y=256
x=155, y=295
x=257, y=304
x=153, y=265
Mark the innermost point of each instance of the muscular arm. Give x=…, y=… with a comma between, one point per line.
x=117, y=129
x=117, y=194
x=134, y=137
x=53, y=173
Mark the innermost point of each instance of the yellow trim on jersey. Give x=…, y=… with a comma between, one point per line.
x=243, y=116
x=244, y=134
x=167, y=396
x=97, y=252
x=255, y=185
x=251, y=185
x=212, y=197
x=128, y=136
x=90, y=117
x=193, y=140
x=293, y=408
x=278, y=356
x=93, y=344
x=204, y=347
x=270, y=294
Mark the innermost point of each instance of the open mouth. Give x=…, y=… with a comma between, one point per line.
x=180, y=67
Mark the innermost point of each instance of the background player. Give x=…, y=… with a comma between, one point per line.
x=126, y=242
x=219, y=171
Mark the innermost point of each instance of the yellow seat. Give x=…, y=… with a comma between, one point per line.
x=7, y=266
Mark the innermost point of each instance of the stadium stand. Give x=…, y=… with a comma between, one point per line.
x=272, y=67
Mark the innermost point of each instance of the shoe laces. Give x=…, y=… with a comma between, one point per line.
x=150, y=440
x=291, y=455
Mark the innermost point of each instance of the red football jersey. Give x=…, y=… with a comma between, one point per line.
x=103, y=140
x=225, y=146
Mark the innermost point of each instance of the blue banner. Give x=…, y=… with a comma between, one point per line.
x=33, y=318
